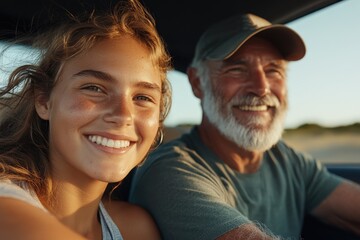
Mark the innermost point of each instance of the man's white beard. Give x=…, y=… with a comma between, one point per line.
x=251, y=139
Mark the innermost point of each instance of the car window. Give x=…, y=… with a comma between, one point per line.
x=13, y=55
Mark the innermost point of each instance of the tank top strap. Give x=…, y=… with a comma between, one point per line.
x=110, y=231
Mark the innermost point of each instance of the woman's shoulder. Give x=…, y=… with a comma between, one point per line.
x=133, y=221
x=19, y=191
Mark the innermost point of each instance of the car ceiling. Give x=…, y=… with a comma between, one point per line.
x=180, y=22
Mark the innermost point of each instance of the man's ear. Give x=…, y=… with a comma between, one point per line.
x=194, y=82
x=42, y=105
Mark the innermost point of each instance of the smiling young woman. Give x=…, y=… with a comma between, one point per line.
x=83, y=117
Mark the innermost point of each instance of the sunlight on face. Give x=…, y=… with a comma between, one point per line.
x=252, y=139
x=104, y=111
x=251, y=117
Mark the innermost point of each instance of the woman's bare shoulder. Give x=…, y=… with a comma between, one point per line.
x=21, y=220
x=133, y=221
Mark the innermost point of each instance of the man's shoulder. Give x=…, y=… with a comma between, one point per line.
x=179, y=154
x=289, y=156
x=172, y=150
x=176, y=157
x=281, y=148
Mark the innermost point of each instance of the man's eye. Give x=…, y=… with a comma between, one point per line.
x=275, y=72
x=237, y=69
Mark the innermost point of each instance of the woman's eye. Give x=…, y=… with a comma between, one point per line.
x=93, y=88
x=143, y=98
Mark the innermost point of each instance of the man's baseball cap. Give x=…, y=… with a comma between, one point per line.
x=223, y=39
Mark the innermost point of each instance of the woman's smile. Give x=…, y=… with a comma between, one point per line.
x=107, y=142
x=109, y=145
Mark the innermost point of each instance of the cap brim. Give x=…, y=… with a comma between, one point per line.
x=287, y=41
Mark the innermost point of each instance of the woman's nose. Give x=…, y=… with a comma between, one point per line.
x=119, y=112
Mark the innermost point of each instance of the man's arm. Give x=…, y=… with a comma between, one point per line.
x=247, y=232
x=341, y=207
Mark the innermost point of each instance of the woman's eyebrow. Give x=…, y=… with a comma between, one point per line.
x=95, y=73
x=107, y=77
x=149, y=85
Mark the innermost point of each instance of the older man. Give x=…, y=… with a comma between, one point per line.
x=232, y=177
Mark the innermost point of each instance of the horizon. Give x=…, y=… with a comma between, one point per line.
x=350, y=125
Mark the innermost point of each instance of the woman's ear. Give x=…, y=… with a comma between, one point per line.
x=194, y=82
x=42, y=105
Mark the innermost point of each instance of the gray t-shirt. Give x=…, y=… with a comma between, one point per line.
x=9, y=189
x=192, y=194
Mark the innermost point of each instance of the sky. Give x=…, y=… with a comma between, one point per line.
x=324, y=87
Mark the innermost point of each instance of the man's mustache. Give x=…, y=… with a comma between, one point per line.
x=251, y=100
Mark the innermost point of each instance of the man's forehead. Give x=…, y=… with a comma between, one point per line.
x=257, y=47
x=254, y=59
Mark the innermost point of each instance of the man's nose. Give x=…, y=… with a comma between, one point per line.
x=259, y=84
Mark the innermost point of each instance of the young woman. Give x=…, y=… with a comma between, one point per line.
x=83, y=117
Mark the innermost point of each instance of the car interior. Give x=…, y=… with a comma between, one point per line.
x=180, y=23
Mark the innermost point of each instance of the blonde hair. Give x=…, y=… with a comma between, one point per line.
x=23, y=135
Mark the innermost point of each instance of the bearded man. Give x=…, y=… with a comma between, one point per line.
x=232, y=177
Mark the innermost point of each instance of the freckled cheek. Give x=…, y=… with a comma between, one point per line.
x=148, y=124
x=78, y=107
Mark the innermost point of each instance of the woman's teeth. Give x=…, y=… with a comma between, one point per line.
x=106, y=142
